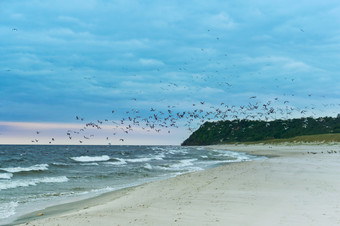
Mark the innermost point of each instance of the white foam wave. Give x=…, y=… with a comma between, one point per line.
x=139, y=160
x=240, y=156
x=91, y=158
x=90, y=164
x=53, y=179
x=7, y=209
x=103, y=190
x=194, y=169
x=146, y=159
x=159, y=156
x=59, y=164
x=237, y=156
x=183, y=163
x=147, y=166
x=38, y=167
x=6, y=175
x=31, y=182
x=178, y=151
x=158, y=149
x=120, y=162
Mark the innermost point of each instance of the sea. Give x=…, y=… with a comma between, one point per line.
x=33, y=177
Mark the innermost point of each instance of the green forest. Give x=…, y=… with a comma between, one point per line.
x=222, y=132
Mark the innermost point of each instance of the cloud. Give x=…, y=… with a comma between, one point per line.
x=17, y=16
x=151, y=62
x=221, y=21
x=26, y=132
x=69, y=20
x=286, y=63
x=296, y=65
x=40, y=125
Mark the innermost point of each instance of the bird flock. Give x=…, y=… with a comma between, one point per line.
x=170, y=118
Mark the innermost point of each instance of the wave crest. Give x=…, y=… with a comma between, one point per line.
x=7, y=209
x=38, y=167
x=91, y=158
x=6, y=175
x=31, y=182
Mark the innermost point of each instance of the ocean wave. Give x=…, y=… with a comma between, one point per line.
x=91, y=158
x=183, y=163
x=61, y=164
x=193, y=169
x=158, y=149
x=103, y=190
x=139, y=160
x=179, y=170
x=31, y=182
x=6, y=175
x=147, y=166
x=90, y=164
x=38, y=167
x=84, y=191
x=7, y=209
x=159, y=156
x=118, y=162
x=146, y=159
x=182, y=151
x=236, y=156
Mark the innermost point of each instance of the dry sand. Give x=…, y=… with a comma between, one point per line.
x=298, y=185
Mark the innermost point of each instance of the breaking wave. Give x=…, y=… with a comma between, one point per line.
x=38, y=167
x=91, y=158
x=7, y=209
x=31, y=182
x=6, y=175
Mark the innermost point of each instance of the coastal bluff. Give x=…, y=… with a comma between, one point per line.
x=224, y=132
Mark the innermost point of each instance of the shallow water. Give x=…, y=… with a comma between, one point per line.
x=33, y=177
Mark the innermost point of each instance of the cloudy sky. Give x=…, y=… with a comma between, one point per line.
x=62, y=59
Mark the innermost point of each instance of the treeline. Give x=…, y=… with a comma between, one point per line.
x=253, y=130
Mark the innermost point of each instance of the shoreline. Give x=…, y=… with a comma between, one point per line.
x=283, y=190
x=71, y=206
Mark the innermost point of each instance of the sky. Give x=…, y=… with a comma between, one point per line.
x=105, y=61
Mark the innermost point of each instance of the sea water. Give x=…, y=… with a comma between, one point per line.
x=34, y=177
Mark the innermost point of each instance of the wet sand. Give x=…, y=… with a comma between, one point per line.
x=296, y=185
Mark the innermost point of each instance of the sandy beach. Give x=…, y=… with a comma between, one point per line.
x=295, y=185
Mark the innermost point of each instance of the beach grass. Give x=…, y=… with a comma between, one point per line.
x=314, y=139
